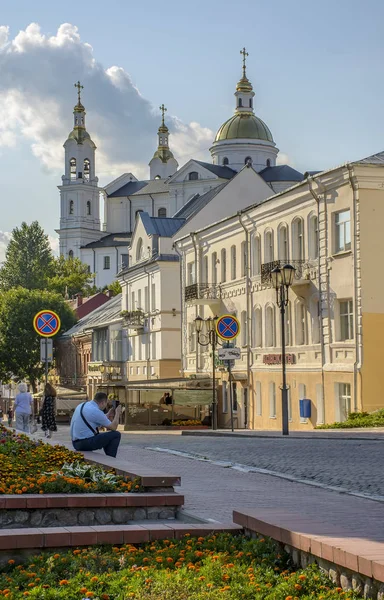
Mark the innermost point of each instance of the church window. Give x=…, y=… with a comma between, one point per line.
x=72, y=168
x=250, y=103
x=240, y=103
x=248, y=160
x=157, y=177
x=166, y=141
x=162, y=212
x=138, y=211
x=71, y=207
x=88, y=207
x=193, y=176
x=87, y=168
x=268, y=162
x=107, y=262
x=160, y=141
x=124, y=261
x=225, y=161
x=139, y=249
x=70, y=254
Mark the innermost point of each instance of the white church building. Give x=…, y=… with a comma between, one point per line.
x=244, y=139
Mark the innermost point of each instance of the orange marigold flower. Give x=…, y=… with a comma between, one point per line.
x=94, y=578
x=298, y=586
x=83, y=590
x=11, y=562
x=89, y=595
x=63, y=582
x=302, y=577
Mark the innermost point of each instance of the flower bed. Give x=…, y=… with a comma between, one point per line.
x=222, y=566
x=32, y=467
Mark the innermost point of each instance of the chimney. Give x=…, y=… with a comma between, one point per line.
x=109, y=293
x=79, y=300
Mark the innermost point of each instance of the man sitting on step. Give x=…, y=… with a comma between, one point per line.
x=85, y=423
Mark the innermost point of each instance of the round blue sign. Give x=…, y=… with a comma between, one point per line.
x=227, y=327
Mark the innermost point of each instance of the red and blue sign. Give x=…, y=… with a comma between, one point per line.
x=46, y=323
x=227, y=327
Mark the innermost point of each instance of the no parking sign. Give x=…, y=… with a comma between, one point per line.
x=227, y=327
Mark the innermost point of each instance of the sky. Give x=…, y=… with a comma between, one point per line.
x=316, y=69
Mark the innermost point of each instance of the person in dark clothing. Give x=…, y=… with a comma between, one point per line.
x=48, y=416
x=10, y=416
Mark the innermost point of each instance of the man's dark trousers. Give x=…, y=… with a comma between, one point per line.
x=109, y=441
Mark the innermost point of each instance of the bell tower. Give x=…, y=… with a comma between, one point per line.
x=79, y=192
x=163, y=163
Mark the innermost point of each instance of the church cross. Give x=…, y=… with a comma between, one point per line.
x=79, y=88
x=163, y=111
x=245, y=54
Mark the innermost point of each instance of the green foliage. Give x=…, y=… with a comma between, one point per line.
x=363, y=419
x=19, y=342
x=114, y=287
x=71, y=276
x=28, y=259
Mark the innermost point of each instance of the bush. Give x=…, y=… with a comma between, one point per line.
x=356, y=419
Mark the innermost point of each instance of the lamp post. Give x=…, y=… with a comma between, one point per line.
x=207, y=336
x=282, y=279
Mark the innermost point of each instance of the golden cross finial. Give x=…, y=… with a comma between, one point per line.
x=163, y=111
x=79, y=88
x=245, y=54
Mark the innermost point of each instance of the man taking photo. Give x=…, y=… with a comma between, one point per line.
x=85, y=423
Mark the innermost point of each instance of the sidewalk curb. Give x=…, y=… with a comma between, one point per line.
x=342, y=436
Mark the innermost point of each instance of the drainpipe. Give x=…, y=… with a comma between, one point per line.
x=182, y=320
x=248, y=321
x=94, y=261
x=318, y=200
x=130, y=214
x=149, y=323
x=153, y=204
x=117, y=259
x=358, y=349
x=193, y=237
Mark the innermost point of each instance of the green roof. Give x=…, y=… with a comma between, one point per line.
x=244, y=126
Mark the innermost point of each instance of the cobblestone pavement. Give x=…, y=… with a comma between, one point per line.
x=356, y=465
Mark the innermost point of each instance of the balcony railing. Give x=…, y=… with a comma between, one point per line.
x=267, y=268
x=133, y=319
x=202, y=291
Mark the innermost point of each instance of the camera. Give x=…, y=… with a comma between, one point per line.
x=115, y=404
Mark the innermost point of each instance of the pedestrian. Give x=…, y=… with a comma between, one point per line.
x=85, y=423
x=23, y=408
x=10, y=416
x=48, y=416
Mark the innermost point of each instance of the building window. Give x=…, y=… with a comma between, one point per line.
x=87, y=169
x=193, y=176
x=88, y=207
x=139, y=210
x=225, y=161
x=313, y=237
x=192, y=337
x=248, y=160
x=268, y=163
x=315, y=321
x=256, y=255
x=269, y=327
x=243, y=259
x=346, y=320
x=71, y=207
x=191, y=275
x=223, y=265
x=233, y=262
x=107, y=262
x=301, y=324
x=243, y=322
x=257, y=327
x=214, y=267
x=343, y=231
x=282, y=243
x=259, y=404
x=234, y=396
x=146, y=299
x=72, y=169
x=251, y=103
x=204, y=269
x=268, y=247
x=124, y=261
x=225, y=397
x=298, y=239
x=302, y=396
x=343, y=399
x=240, y=102
x=139, y=249
x=162, y=213
x=70, y=255
x=272, y=400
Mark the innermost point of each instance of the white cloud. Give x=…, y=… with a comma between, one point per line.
x=5, y=236
x=37, y=96
x=284, y=159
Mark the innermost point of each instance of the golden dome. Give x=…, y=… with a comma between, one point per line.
x=244, y=125
x=244, y=85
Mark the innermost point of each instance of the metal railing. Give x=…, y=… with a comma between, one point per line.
x=267, y=268
x=203, y=291
x=133, y=318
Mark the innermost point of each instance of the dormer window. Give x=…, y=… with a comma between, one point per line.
x=162, y=213
x=268, y=162
x=72, y=169
x=225, y=161
x=248, y=160
x=193, y=176
x=157, y=177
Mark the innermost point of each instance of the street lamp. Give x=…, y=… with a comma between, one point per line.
x=282, y=279
x=207, y=336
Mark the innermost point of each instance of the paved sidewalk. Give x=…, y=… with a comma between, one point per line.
x=315, y=434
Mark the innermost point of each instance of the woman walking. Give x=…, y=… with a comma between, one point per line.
x=23, y=408
x=48, y=416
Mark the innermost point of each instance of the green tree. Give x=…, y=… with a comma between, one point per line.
x=71, y=276
x=113, y=287
x=19, y=342
x=28, y=259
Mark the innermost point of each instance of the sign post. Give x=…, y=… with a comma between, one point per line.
x=46, y=323
x=228, y=328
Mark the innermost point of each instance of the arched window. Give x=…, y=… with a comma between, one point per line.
x=282, y=243
x=88, y=207
x=269, y=327
x=139, y=249
x=244, y=259
x=87, y=169
x=71, y=207
x=233, y=262
x=243, y=323
x=251, y=103
x=313, y=232
x=256, y=255
x=257, y=327
x=72, y=168
x=248, y=160
x=268, y=246
x=240, y=102
x=272, y=400
x=223, y=265
x=268, y=162
x=301, y=323
x=298, y=239
x=70, y=255
x=160, y=141
x=225, y=161
x=162, y=212
x=157, y=177
x=138, y=212
x=214, y=267
x=193, y=176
